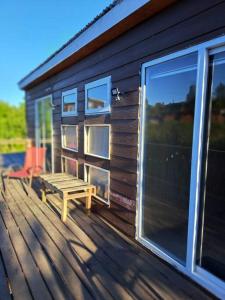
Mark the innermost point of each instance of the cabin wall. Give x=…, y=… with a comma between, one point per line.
x=182, y=25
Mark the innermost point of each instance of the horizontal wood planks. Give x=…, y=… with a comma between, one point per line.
x=183, y=24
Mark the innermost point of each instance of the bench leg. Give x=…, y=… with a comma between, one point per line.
x=88, y=201
x=64, y=210
x=43, y=195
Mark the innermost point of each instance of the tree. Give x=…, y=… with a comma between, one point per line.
x=12, y=120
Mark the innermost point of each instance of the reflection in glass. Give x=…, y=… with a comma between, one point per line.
x=97, y=97
x=44, y=130
x=169, y=117
x=69, y=166
x=100, y=179
x=69, y=137
x=69, y=103
x=98, y=140
x=211, y=246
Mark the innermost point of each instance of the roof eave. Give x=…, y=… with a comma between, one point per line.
x=101, y=27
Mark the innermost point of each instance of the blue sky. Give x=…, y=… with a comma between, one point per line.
x=31, y=30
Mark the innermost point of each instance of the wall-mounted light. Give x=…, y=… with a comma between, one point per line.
x=54, y=106
x=116, y=93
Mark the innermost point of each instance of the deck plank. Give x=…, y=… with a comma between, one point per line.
x=32, y=274
x=95, y=257
x=4, y=288
x=167, y=282
x=55, y=284
x=101, y=278
x=70, y=278
x=153, y=284
x=83, y=258
x=16, y=276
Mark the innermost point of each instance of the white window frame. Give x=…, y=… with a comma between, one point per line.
x=94, y=84
x=66, y=148
x=69, y=158
x=66, y=93
x=86, y=140
x=204, y=278
x=108, y=175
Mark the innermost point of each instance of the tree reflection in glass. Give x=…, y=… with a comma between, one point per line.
x=169, y=118
x=211, y=245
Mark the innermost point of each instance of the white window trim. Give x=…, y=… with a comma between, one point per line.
x=66, y=93
x=108, y=174
x=66, y=148
x=207, y=280
x=69, y=158
x=86, y=140
x=93, y=84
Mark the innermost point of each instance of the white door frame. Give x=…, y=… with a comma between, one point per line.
x=207, y=280
x=37, y=123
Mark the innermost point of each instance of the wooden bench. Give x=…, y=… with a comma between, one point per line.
x=68, y=187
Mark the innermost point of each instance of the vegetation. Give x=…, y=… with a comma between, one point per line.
x=12, y=127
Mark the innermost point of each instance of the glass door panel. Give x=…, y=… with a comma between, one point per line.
x=211, y=243
x=168, y=133
x=44, y=130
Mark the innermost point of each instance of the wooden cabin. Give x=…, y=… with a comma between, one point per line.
x=134, y=104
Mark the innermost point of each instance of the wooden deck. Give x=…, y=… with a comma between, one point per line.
x=42, y=258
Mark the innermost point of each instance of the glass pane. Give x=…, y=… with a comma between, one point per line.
x=44, y=130
x=169, y=117
x=97, y=97
x=211, y=246
x=69, y=103
x=69, y=166
x=69, y=139
x=48, y=133
x=98, y=140
x=39, y=132
x=100, y=179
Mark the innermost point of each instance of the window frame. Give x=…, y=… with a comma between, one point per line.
x=66, y=93
x=86, y=140
x=64, y=147
x=69, y=158
x=108, y=175
x=191, y=269
x=94, y=84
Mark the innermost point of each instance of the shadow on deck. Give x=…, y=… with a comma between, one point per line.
x=42, y=258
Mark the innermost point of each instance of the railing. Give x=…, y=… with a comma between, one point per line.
x=12, y=145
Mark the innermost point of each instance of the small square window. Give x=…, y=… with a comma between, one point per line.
x=97, y=140
x=101, y=179
x=69, y=103
x=98, y=96
x=69, y=165
x=69, y=137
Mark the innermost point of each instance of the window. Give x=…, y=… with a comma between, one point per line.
x=98, y=96
x=70, y=137
x=69, y=103
x=69, y=165
x=100, y=178
x=97, y=140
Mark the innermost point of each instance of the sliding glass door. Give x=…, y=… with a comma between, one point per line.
x=43, y=134
x=181, y=182
x=169, y=118
x=211, y=242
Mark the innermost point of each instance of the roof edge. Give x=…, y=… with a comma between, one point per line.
x=115, y=15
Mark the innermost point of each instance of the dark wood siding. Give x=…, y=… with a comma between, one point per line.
x=182, y=25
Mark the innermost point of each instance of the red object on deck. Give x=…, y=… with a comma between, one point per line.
x=33, y=165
